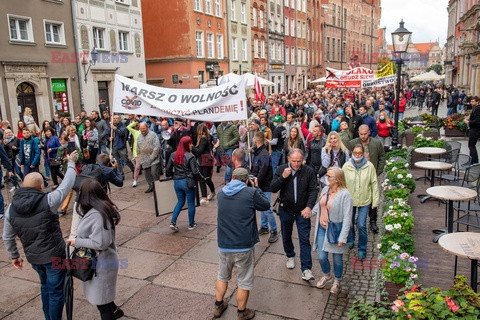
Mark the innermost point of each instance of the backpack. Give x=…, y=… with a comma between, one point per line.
x=90, y=171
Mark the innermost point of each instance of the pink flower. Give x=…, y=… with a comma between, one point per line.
x=451, y=304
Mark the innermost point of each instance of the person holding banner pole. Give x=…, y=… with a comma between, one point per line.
x=148, y=148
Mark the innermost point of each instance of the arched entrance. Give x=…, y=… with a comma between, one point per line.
x=26, y=98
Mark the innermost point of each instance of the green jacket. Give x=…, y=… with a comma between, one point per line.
x=346, y=137
x=61, y=154
x=228, y=137
x=374, y=152
x=362, y=184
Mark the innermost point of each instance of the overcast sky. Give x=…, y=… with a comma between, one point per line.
x=426, y=19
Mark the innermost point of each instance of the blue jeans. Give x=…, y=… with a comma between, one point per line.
x=303, y=227
x=400, y=116
x=183, y=192
x=361, y=226
x=323, y=256
x=228, y=169
x=276, y=158
x=52, y=281
x=450, y=111
x=103, y=149
x=27, y=170
x=267, y=217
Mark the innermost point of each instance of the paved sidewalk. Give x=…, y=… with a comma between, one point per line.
x=172, y=275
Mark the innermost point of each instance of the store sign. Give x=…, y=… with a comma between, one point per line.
x=60, y=97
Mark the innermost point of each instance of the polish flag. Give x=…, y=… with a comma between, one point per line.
x=258, y=89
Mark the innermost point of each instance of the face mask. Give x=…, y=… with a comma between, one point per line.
x=327, y=182
x=357, y=159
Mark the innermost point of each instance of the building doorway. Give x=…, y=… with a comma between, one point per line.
x=103, y=91
x=26, y=98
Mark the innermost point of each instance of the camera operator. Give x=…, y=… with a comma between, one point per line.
x=262, y=170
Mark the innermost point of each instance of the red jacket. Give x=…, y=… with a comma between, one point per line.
x=384, y=128
x=403, y=103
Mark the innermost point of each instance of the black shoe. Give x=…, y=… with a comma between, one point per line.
x=118, y=313
x=150, y=189
x=374, y=227
x=263, y=230
x=273, y=237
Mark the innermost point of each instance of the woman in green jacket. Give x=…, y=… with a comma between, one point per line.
x=133, y=129
x=362, y=184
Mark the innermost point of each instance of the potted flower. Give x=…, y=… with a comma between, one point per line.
x=397, y=193
x=395, y=240
x=393, y=218
x=399, y=177
x=399, y=164
x=455, y=125
x=399, y=270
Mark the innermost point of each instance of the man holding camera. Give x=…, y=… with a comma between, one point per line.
x=236, y=236
x=262, y=170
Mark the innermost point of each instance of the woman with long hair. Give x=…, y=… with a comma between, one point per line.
x=50, y=147
x=96, y=230
x=30, y=122
x=361, y=178
x=384, y=124
x=65, y=124
x=294, y=140
x=45, y=126
x=203, y=151
x=183, y=166
x=267, y=131
x=90, y=136
x=334, y=154
x=20, y=126
x=335, y=206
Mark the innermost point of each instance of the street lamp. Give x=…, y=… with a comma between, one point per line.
x=94, y=55
x=400, y=40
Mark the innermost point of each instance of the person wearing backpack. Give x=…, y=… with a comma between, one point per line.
x=105, y=172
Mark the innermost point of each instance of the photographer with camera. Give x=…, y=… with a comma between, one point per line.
x=262, y=170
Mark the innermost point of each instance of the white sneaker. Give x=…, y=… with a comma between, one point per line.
x=290, y=263
x=307, y=275
x=211, y=196
x=335, y=289
x=134, y=184
x=204, y=202
x=323, y=281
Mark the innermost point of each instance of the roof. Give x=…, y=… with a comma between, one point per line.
x=423, y=47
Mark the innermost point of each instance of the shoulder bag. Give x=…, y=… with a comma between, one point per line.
x=333, y=228
x=82, y=263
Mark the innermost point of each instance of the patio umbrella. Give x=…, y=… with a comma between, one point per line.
x=320, y=80
x=68, y=289
x=428, y=76
x=229, y=77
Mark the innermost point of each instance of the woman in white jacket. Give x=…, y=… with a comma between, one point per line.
x=334, y=208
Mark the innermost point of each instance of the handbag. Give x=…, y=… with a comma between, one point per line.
x=276, y=205
x=82, y=263
x=55, y=162
x=333, y=228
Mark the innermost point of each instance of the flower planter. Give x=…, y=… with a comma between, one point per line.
x=393, y=290
x=454, y=132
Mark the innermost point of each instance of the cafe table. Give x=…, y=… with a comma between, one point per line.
x=450, y=194
x=466, y=245
x=429, y=151
x=432, y=166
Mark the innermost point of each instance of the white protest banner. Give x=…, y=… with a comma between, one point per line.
x=221, y=103
x=380, y=82
x=348, y=78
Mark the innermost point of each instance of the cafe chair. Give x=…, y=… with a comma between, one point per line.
x=470, y=177
x=450, y=145
x=452, y=158
x=471, y=208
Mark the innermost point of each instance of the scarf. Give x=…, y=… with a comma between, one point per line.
x=8, y=139
x=359, y=165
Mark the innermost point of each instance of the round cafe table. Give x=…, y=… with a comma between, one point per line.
x=467, y=245
x=450, y=194
x=431, y=166
x=429, y=151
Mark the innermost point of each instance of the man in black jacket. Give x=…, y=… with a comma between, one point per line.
x=314, y=151
x=262, y=170
x=436, y=97
x=474, y=133
x=33, y=217
x=237, y=235
x=298, y=188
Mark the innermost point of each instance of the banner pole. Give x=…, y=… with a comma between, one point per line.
x=112, y=133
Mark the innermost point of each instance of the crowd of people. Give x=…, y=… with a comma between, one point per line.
x=322, y=151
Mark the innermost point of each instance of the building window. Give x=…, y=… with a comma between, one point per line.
x=262, y=25
x=286, y=3
x=20, y=28
x=299, y=5
x=292, y=50
x=54, y=33
x=304, y=30
x=210, y=46
x=334, y=15
x=299, y=56
x=339, y=49
x=286, y=26
x=292, y=4
x=287, y=55
x=262, y=49
x=278, y=53
x=345, y=18
x=234, y=49
x=218, y=8
x=271, y=51
x=304, y=55
x=333, y=49
x=127, y=2
x=292, y=28
x=255, y=48
x=220, y=46
x=299, y=29
x=122, y=41
x=199, y=43
x=233, y=11
x=254, y=17
x=197, y=5
x=327, y=49
x=244, y=50
x=208, y=6
x=304, y=5
x=243, y=12
x=99, y=38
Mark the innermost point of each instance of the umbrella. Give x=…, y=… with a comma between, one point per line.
x=68, y=289
x=229, y=77
x=428, y=76
x=320, y=80
x=232, y=77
